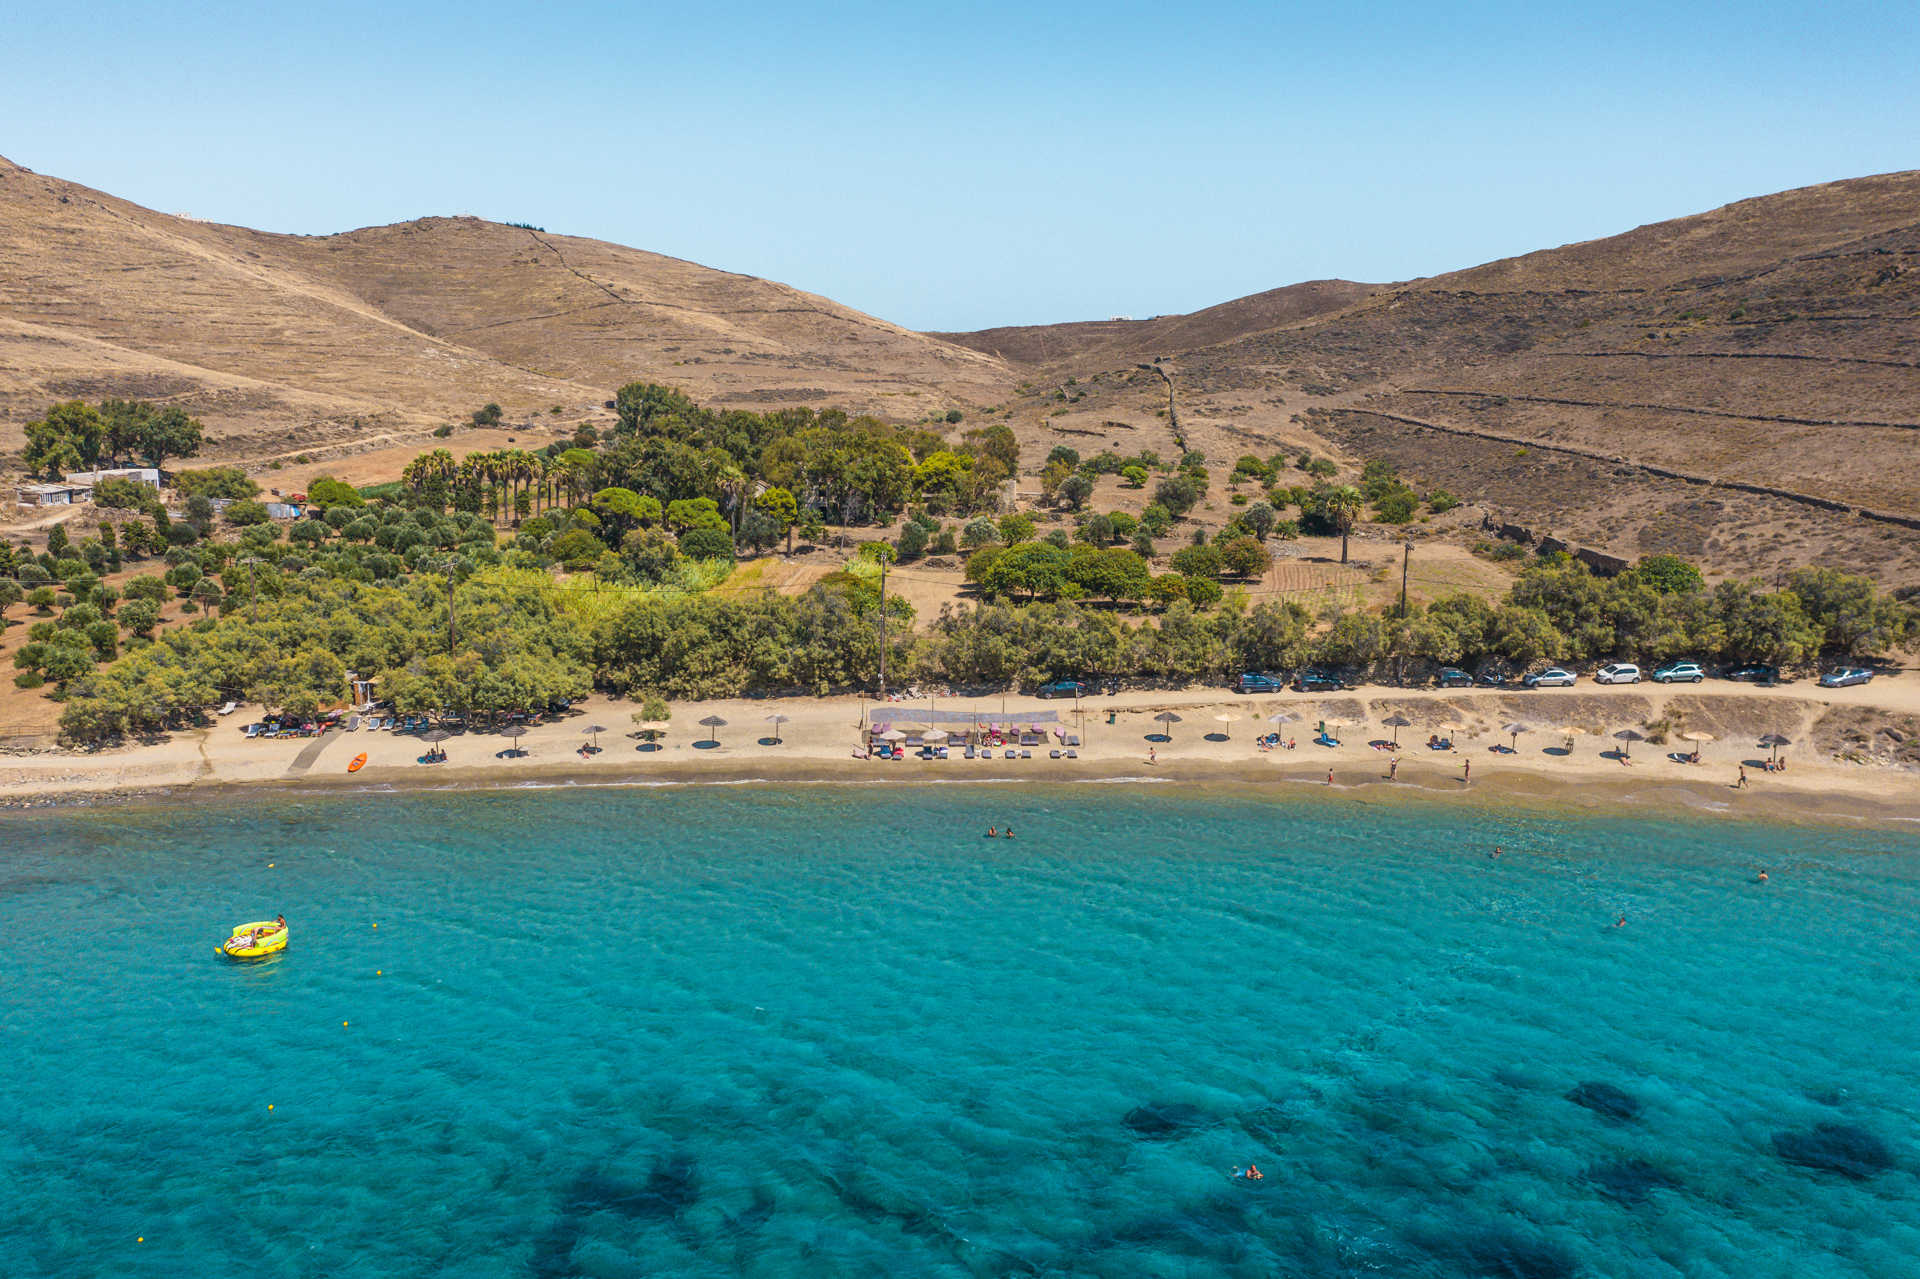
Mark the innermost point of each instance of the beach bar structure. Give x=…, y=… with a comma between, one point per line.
x=969, y=728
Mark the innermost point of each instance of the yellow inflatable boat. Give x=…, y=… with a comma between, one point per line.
x=256, y=940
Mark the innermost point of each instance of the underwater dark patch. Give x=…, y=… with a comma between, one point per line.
x=1159, y=1120
x=1605, y=1100
x=1837, y=1148
x=1629, y=1181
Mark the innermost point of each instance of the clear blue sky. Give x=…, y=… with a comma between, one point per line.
x=965, y=165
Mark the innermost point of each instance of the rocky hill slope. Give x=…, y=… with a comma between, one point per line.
x=279, y=341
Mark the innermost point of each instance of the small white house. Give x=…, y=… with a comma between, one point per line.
x=63, y=494
x=140, y=474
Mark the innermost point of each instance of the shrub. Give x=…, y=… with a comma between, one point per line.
x=707, y=544
x=242, y=514
x=1440, y=501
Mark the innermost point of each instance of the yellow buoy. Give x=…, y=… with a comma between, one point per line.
x=343, y=1024
x=141, y=1239
x=269, y=1105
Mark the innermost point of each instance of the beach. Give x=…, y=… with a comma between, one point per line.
x=820, y=740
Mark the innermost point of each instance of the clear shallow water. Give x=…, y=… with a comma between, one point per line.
x=829, y=1031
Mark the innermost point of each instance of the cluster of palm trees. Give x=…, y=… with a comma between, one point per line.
x=506, y=482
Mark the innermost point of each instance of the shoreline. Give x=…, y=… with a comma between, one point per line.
x=1522, y=790
x=1565, y=760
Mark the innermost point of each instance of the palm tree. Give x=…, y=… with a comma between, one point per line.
x=1343, y=506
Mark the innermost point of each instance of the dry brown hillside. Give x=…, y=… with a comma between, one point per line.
x=1115, y=342
x=280, y=342
x=1630, y=393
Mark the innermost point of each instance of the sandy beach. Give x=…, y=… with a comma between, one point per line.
x=1121, y=740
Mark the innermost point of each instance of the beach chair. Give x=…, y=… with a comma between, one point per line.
x=228, y=709
x=1012, y=753
x=1026, y=754
x=1073, y=755
x=970, y=750
x=1073, y=739
x=1053, y=754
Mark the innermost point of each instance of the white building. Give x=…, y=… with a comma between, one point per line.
x=63, y=494
x=140, y=474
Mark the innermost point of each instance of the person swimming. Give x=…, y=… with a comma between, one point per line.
x=1620, y=922
x=1007, y=833
x=992, y=833
x=1250, y=1173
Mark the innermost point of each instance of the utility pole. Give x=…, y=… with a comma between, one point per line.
x=883, y=627
x=1406, y=557
x=253, y=594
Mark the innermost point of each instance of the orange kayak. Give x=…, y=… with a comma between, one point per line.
x=359, y=762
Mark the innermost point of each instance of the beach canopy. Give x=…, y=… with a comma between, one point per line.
x=593, y=731
x=776, y=720
x=435, y=735
x=514, y=730
x=1514, y=730
x=713, y=723
x=893, y=735
x=934, y=735
x=1396, y=722
x=1775, y=741
x=1282, y=717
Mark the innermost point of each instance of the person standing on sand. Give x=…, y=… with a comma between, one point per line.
x=1153, y=756
x=1393, y=769
x=1742, y=783
x=1466, y=771
x=1329, y=777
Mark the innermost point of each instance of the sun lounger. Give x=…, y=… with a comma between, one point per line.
x=228, y=709
x=1073, y=739
x=1053, y=754
x=1012, y=754
x=1026, y=754
x=1073, y=755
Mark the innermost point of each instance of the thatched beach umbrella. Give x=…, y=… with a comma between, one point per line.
x=776, y=720
x=594, y=731
x=516, y=732
x=1282, y=717
x=1168, y=719
x=436, y=735
x=712, y=723
x=1629, y=736
x=1229, y=718
x=1514, y=730
x=1397, y=722
x=1775, y=741
x=1697, y=737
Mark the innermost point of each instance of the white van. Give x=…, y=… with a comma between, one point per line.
x=1618, y=673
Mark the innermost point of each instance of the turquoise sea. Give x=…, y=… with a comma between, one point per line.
x=745, y=1030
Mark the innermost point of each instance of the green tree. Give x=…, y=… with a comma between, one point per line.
x=784, y=508
x=68, y=438
x=1669, y=574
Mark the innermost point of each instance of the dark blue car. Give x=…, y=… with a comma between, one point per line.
x=1261, y=682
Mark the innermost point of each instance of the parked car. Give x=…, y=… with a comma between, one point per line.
x=1617, y=673
x=1679, y=673
x=1845, y=677
x=1454, y=677
x=1552, y=677
x=1755, y=673
x=1261, y=682
x=1315, y=681
x=1065, y=688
